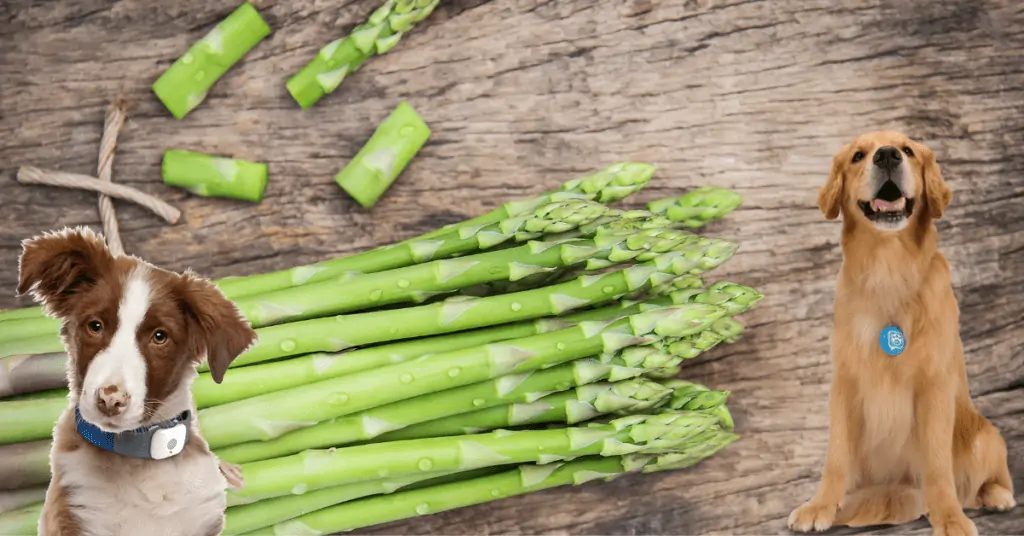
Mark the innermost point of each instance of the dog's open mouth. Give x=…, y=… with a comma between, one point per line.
x=889, y=207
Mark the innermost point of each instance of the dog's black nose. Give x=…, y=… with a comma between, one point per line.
x=887, y=157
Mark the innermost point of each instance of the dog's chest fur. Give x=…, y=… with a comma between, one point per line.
x=113, y=495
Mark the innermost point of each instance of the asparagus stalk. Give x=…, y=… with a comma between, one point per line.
x=42, y=344
x=18, y=314
x=615, y=183
x=50, y=393
x=21, y=374
x=524, y=479
x=397, y=256
x=417, y=282
x=274, y=414
x=26, y=328
x=24, y=464
x=337, y=333
x=317, y=469
x=568, y=407
x=214, y=176
x=20, y=498
x=378, y=163
x=29, y=420
x=691, y=396
x=24, y=520
x=184, y=84
x=379, y=34
x=524, y=387
x=699, y=206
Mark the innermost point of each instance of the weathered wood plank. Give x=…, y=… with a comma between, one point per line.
x=523, y=94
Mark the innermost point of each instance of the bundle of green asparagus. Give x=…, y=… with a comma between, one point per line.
x=532, y=347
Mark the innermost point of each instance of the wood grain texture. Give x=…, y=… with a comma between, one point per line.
x=523, y=94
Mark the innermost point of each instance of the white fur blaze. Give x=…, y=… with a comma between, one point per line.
x=121, y=364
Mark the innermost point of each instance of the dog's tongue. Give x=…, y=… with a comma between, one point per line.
x=879, y=205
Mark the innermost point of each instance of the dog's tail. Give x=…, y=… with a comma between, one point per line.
x=881, y=505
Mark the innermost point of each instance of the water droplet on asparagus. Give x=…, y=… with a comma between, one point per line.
x=403, y=283
x=454, y=372
x=479, y=402
x=337, y=398
x=609, y=289
x=299, y=489
x=425, y=464
x=495, y=493
x=376, y=295
x=516, y=306
x=200, y=75
x=187, y=58
x=288, y=345
x=560, y=346
x=406, y=378
x=407, y=130
x=422, y=508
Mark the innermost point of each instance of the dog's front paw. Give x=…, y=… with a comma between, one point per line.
x=813, y=515
x=953, y=524
x=233, y=474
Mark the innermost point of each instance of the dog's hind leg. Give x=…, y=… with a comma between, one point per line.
x=984, y=462
x=881, y=505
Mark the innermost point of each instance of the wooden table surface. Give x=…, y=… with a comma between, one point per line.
x=524, y=94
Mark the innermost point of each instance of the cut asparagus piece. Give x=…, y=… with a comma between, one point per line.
x=24, y=520
x=214, y=176
x=16, y=499
x=21, y=374
x=342, y=57
x=318, y=469
x=183, y=86
x=569, y=407
x=378, y=163
x=29, y=420
x=274, y=414
x=524, y=479
x=24, y=465
x=697, y=207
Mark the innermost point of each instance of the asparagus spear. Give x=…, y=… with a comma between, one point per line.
x=340, y=58
x=214, y=176
x=184, y=84
x=378, y=163
x=615, y=183
x=569, y=407
x=25, y=464
x=524, y=479
x=42, y=344
x=317, y=469
x=26, y=328
x=29, y=420
x=30, y=373
x=403, y=254
x=699, y=206
x=274, y=414
x=24, y=520
x=525, y=387
x=20, y=498
x=18, y=314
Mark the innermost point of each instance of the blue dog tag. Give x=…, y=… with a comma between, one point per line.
x=892, y=340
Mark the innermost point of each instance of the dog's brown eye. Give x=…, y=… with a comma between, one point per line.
x=907, y=151
x=159, y=336
x=95, y=326
x=858, y=156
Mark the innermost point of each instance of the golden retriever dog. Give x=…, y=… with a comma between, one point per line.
x=904, y=437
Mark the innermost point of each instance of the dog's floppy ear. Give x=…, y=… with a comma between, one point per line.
x=219, y=330
x=830, y=197
x=56, y=265
x=936, y=194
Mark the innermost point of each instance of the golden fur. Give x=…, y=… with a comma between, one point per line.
x=904, y=437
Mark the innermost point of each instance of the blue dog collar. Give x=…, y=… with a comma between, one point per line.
x=892, y=340
x=153, y=442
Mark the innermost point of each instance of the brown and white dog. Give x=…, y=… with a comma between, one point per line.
x=904, y=437
x=134, y=334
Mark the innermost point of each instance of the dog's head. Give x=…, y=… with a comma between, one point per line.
x=134, y=333
x=885, y=180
